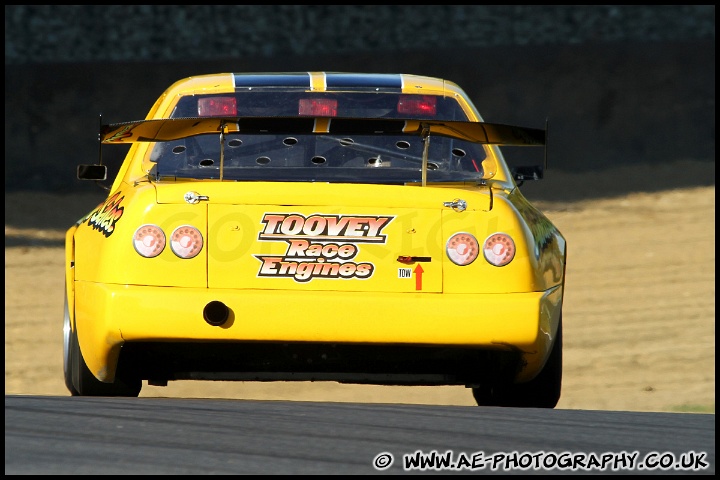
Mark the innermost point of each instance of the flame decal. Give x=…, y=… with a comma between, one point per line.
x=107, y=214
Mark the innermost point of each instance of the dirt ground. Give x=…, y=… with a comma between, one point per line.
x=639, y=313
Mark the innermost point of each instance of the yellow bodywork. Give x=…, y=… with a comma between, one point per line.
x=281, y=284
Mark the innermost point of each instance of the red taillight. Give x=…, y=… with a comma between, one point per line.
x=317, y=107
x=421, y=105
x=149, y=241
x=499, y=249
x=217, y=107
x=462, y=249
x=186, y=241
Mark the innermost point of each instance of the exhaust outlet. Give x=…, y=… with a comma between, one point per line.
x=216, y=313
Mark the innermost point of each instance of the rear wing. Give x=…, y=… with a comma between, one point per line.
x=168, y=129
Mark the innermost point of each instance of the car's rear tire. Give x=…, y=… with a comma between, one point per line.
x=541, y=392
x=81, y=382
x=67, y=350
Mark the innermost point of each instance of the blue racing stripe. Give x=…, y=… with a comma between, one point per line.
x=259, y=80
x=384, y=82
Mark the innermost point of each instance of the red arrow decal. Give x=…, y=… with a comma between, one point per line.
x=418, y=277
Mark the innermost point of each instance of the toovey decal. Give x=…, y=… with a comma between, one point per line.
x=319, y=246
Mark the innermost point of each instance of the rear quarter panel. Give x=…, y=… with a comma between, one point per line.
x=540, y=249
x=104, y=250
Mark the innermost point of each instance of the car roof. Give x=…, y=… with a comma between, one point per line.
x=317, y=81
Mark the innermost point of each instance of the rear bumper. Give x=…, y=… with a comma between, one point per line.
x=160, y=319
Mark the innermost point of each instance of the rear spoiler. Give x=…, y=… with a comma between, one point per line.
x=168, y=129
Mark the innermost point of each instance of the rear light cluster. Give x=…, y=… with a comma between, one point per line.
x=318, y=107
x=423, y=105
x=463, y=248
x=217, y=107
x=185, y=241
x=499, y=249
x=149, y=241
x=407, y=105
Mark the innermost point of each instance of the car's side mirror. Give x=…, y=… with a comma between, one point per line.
x=533, y=172
x=92, y=172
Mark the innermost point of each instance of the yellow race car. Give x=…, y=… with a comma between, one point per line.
x=350, y=227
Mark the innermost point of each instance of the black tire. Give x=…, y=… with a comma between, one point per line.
x=67, y=350
x=81, y=382
x=541, y=392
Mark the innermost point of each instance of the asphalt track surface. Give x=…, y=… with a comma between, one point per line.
x=159, y=436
